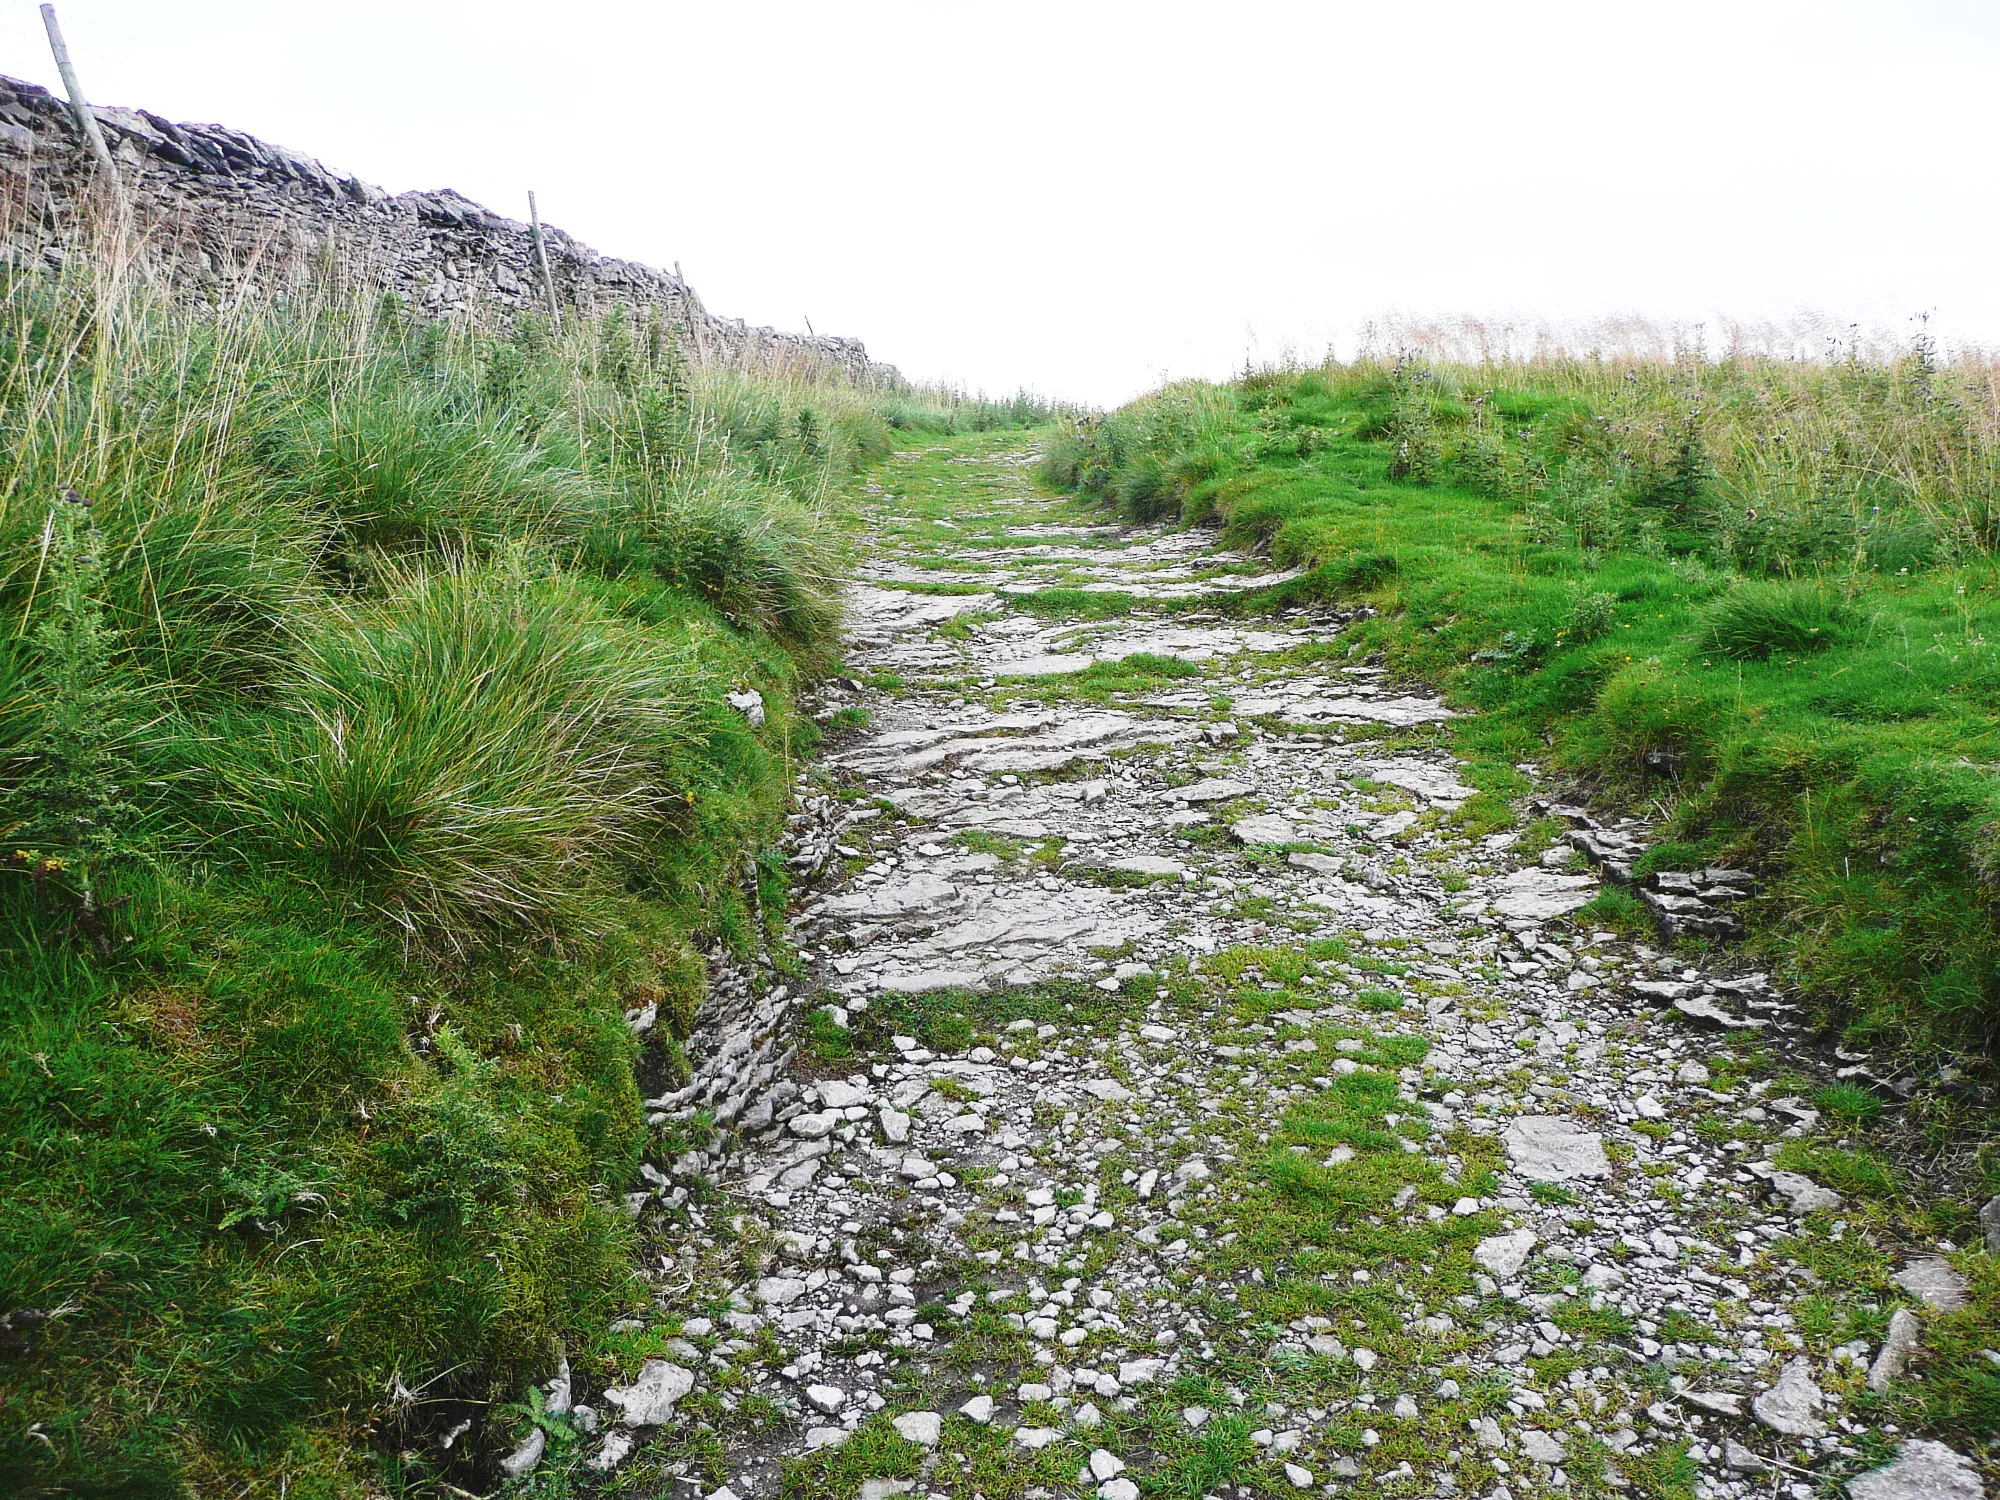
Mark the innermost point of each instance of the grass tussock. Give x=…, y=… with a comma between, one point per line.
x=463, y=752
x=1757, y=620
x=1759, y=593
x=364, y=759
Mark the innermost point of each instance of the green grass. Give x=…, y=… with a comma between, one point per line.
x=364, y=759
x=1848, y=1103
x=1633, y=584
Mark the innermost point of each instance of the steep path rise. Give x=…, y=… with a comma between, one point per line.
x=1199, y=1108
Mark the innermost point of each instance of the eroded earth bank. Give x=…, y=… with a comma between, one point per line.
x=1202, y=1106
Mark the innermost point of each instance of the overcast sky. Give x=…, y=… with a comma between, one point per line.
x=1086, y=197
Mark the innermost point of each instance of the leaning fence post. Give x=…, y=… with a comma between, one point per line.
x=542, y=260
x=79, y=106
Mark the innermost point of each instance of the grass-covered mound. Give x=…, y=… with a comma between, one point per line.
x=1758, y=596
x=364, y=759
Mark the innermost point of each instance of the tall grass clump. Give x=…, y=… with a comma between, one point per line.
x=465, y=753
x=365, y=759
x=1757, y=620
x=401, y=461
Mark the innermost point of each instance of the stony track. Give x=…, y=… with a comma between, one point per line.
x=1206, y=1102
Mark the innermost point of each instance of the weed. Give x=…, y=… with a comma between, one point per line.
x=80, y=782
x=827, y=1039
x=1591, y=616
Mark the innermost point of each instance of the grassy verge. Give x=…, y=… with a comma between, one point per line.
x=365, y=760
x=1756, y=598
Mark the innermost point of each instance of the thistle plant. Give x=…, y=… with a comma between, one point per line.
x=76, y=793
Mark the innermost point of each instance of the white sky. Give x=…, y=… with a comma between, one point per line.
x=1086, y=197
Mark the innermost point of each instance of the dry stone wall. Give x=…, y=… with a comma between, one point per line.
x=216, y=211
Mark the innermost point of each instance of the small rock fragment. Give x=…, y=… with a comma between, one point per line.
x=1722, y=1403
x=1542, y=1447
x=780, y=1291
x=1741, y=1460
x=1503, y=1255
x=1897, y=1347
x=1801, y=1194
x=649, y=1400
x=1792, y=1406
x=1923, y=1470
x=1263, y=828
x=1932, y=1280
x=525, y=1457
x=1545, y=1148
x=613, y=1451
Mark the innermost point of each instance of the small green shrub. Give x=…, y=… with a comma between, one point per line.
x=461, y=1162
x=80, y=780
x=1591, y=616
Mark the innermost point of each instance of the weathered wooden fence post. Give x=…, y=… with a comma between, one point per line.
x=542, y=260
x=86, y=121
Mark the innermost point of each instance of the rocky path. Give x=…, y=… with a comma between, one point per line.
x=1203, y=1104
